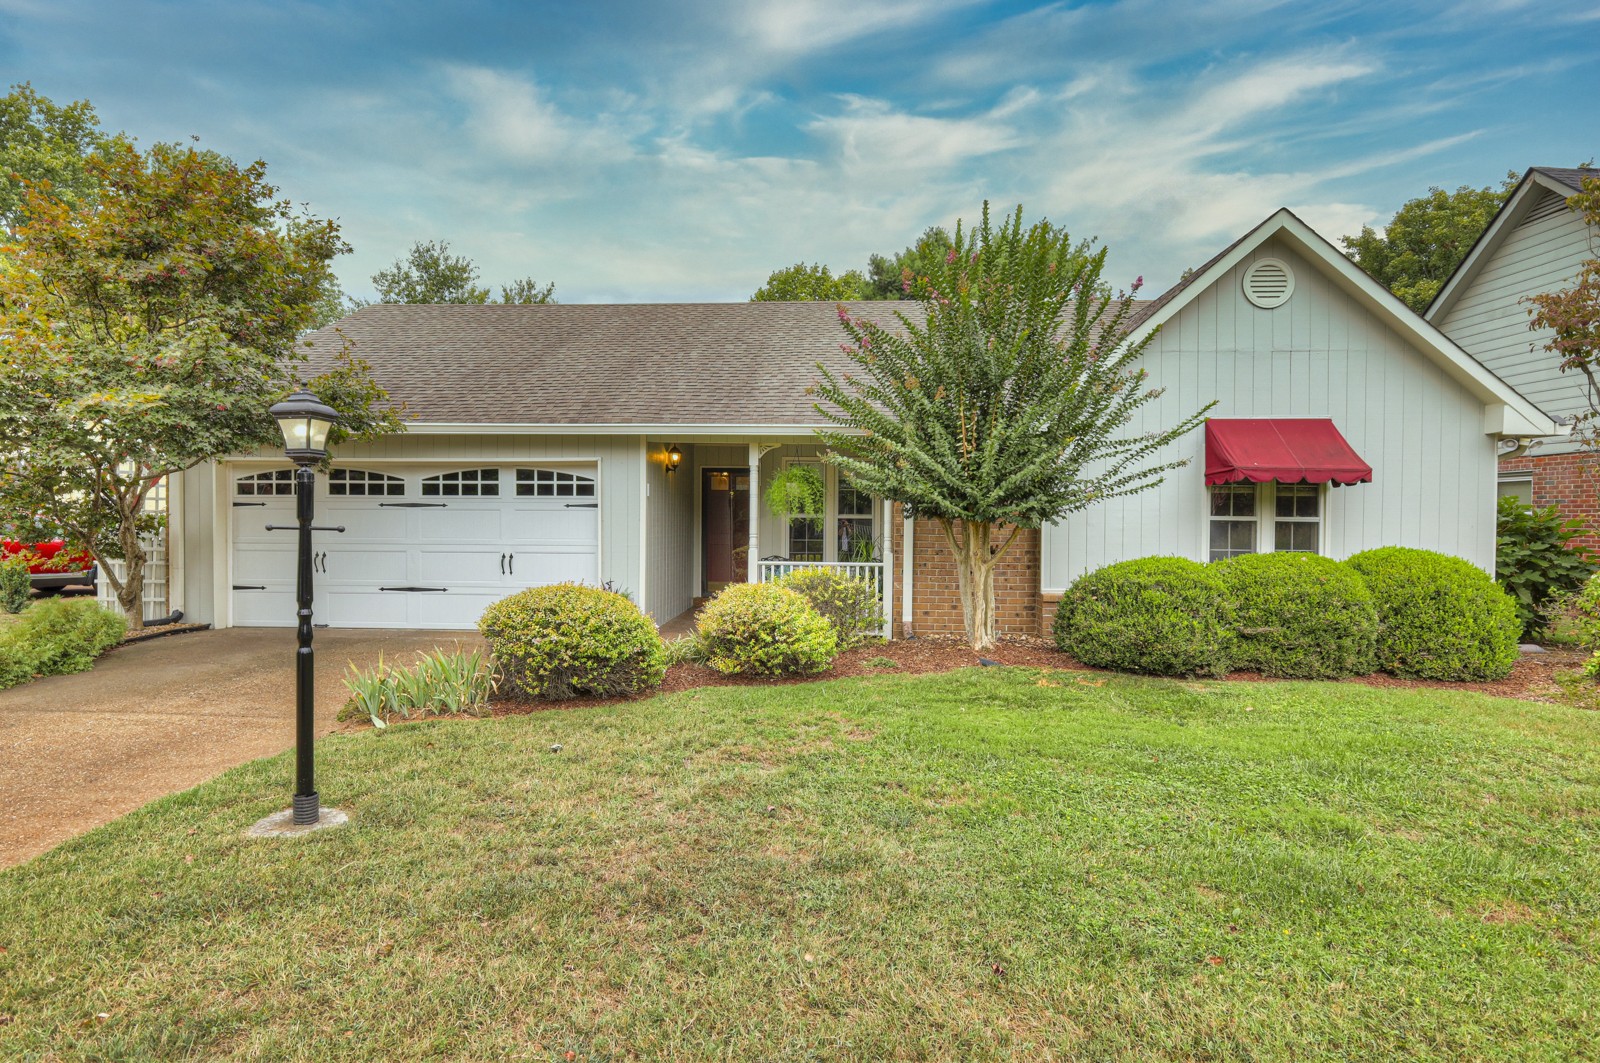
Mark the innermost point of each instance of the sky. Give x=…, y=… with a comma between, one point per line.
x=651, y=152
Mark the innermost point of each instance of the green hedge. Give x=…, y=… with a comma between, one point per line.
x=765, y=629
x=849, y=603
x=1439, y=617
x=1157, y=615
x=568, y=640
x=57, y=636
x=1300, y=616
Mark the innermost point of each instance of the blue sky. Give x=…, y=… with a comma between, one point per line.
x=656, y=151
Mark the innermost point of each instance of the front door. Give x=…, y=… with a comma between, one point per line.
x=725, y=524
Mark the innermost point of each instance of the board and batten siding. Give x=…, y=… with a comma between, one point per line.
x=669, y=533
x=1321, y=354
x=207, y=497
x=1489, y=320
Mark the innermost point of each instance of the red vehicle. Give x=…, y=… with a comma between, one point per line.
x=51, y=565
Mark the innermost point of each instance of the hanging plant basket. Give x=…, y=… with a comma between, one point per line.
x=797, y=491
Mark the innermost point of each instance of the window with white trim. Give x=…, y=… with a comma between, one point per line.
x=1270, y=517
x=553, y=483
x=468, y=483
x=854, y=521
x=807, y=538
x=364, y=483
x=272, y=482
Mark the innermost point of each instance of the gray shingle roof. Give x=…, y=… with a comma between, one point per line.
x=1572, y=177
x=602, y=364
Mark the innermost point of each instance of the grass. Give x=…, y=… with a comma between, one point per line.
x=991, y=863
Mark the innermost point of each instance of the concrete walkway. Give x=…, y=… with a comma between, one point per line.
x=157, y=717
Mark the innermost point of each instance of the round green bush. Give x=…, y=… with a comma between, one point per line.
x=1300, y=616
x=568, y=640
x=765, y=629
x=849, y=603
x=1439, y=617
x=57, y=636
x=1157, y=615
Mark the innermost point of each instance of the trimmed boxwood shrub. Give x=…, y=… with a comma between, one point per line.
x=1300, y=616
x=1158, y=615
x=57, y=636
x=765, y=629
x=567, y=640
x=1439, y=617
x=849, y=603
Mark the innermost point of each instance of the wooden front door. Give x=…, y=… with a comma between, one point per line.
x=725, y=526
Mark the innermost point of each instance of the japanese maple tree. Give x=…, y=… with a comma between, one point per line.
x=147, y=329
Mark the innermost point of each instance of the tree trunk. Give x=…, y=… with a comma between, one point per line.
x=976, y=559
x=130, y=589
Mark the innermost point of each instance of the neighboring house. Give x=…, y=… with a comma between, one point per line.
x=1534, y=244
x=543, y=441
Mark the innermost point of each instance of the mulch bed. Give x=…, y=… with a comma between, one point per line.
x=1533, y=677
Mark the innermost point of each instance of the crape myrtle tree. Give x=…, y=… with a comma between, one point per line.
x=1009, y=407
x=147, y=329
x=1573, y=316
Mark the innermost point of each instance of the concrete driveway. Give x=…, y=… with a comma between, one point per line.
x=157, y=717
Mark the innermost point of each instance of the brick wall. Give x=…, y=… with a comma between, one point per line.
x=1571, y=481
x=936, y=601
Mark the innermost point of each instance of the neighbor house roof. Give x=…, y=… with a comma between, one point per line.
x=632, y=365
x=1511, y=413
x=1529, y=193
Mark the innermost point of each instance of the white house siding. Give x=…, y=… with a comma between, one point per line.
x=670, y=521
x=1489, y=320
x=206, y=500
x=1319, y=355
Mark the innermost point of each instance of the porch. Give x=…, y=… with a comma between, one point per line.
x=710, y=522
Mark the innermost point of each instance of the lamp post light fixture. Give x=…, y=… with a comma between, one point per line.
x=305, y=422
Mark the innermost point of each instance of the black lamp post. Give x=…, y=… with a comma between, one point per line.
x=305, y=421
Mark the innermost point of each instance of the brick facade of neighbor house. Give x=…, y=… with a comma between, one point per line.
x=936, y=601
x=1571, y=481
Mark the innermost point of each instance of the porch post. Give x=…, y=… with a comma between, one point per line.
x=752, y=560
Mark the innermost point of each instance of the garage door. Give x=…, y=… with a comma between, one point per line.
x=423, y=547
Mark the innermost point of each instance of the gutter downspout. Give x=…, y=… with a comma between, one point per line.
x=907, y=544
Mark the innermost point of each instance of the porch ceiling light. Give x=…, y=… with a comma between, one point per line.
x=674, y=458
x=305, y=422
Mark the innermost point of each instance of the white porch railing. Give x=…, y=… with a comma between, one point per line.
x=871, y=571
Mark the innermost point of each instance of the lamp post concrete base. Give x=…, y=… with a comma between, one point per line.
x=282, y=824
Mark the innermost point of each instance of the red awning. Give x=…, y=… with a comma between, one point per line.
x=1294, y=450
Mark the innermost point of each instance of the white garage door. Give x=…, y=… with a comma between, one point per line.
x=423, y=546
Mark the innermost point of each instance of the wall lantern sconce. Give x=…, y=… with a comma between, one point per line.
x=674, y=459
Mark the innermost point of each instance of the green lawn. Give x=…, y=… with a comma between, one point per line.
x=953, y=867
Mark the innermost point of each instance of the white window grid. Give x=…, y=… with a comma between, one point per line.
x=364, y=482
x=271, y=482
x=467, y=483
x=1271, y=517
x=553, y=483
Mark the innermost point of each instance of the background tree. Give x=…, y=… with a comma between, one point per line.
x=1008, y=409
x=814, y=283
x=148, y=330
x=1573, y=315
x=1426, y=240
x=896, y=276
x=47, y=147
x=429, y=273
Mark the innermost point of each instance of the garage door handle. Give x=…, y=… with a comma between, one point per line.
x=439, y=590
x=502, y=564
x=583, y=505
x=241, y=587
x=511, y=564
x=411, y=505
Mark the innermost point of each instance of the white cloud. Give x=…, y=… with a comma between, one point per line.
x=511, y=116
x=796, y=27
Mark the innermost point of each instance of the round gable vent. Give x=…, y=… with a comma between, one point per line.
x=1268, y=283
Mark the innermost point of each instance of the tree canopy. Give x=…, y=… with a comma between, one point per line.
x=149, y=329
x=1426, y=240
x=1010, y=404
x=429, y=273
x=902, y=275
x=47, y=147
x=813, y=283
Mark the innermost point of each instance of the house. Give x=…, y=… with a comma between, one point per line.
x=631, y=445
x=1534, y=244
